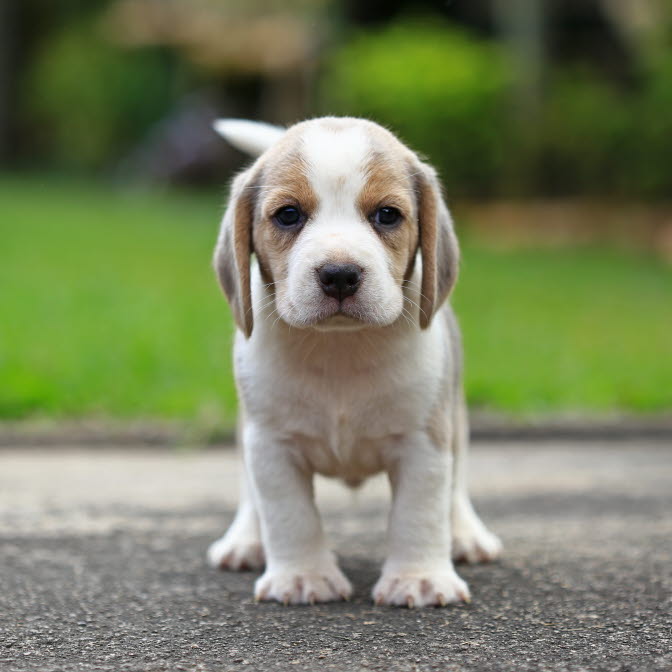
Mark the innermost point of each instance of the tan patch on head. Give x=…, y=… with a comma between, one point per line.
x=389, y=184
x=284, y=182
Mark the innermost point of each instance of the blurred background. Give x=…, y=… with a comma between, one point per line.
x=550, y=123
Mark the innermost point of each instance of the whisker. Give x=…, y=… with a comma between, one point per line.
x=263, y=186
x=265, y=307
x=270, y=315
x=417, y=288
x=403, y=314
x=407, y=316
x=410, y=300
x=261, y=304
x=310, y=351
x=406, y=298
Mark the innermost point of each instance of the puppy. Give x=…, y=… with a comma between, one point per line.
x=347, y=359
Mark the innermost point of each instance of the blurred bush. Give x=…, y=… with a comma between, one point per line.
x=89, y=101
x=577, y=142
x=598, y=139
x=443, y=91
x=453, y=97
x=650, y=145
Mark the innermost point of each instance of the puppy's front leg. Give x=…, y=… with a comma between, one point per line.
x=419, y=570
x=300, y=569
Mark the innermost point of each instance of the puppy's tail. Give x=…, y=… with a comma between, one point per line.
x=251, y=137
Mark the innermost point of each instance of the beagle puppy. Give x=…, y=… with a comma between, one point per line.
x=347, y=359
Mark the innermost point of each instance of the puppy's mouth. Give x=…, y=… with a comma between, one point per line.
x=339, y=316
x=349, y=314
x=339, y=322
x=331, y=314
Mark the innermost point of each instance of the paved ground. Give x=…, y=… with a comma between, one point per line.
x=102, y=568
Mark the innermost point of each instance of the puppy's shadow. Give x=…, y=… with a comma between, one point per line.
x=358, y=538
x=363, y=573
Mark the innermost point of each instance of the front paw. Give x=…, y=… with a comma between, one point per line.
x=324, y=583
x=236, y=554
x=419, y=588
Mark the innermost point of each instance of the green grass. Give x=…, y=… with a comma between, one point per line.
x=109, y=308
x=569, y=330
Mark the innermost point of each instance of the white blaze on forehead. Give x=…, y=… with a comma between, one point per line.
x=336, y=159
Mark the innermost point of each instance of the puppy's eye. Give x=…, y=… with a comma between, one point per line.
x=288, y=217
x=387, y=217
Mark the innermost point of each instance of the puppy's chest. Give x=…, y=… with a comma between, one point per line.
x=344, y=423
x=344, y=430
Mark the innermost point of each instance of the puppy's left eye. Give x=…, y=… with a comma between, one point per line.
x=387, y=217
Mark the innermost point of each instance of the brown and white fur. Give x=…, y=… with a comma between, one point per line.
x=345, y=386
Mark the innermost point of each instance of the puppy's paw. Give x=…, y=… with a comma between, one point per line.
x=420, y=589
x=320, y=584
x=476, y=544
x=236, y=554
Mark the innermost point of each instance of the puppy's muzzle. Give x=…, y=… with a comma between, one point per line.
x=339, y=280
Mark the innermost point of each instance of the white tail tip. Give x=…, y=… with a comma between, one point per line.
x=251, y=137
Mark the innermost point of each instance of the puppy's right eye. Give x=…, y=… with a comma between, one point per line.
x=288, y=217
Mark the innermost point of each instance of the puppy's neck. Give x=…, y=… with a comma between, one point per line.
x=338, y=353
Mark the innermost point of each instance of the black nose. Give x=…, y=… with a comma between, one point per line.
x=340, y=280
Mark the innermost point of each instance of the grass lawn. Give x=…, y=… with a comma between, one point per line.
x=108, y=307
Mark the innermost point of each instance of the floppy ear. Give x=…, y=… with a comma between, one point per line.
x=233, y=250
x=251, y=137
x=438, y=245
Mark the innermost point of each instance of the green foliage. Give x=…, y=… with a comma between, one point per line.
x=442, y=90
x=581, y=142
x=594, y=138
x=110, y=308
x=650, y=139
x=453, y=98
x=90, y=100
x=450, y=95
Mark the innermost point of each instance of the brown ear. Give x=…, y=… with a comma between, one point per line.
x=233, y=250
x=438, y=245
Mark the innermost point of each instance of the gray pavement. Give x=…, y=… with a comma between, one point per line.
x=102, y=568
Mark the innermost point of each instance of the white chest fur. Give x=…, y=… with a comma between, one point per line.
x=342, y=399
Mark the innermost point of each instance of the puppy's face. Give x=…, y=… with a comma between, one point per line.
x=335, y=226
x=333, y=212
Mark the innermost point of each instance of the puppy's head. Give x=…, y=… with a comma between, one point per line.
x=337, y=211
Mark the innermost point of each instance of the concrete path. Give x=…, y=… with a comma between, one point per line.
x=102, y=568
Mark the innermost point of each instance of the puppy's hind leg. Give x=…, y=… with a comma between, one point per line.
x=472, y=541
x=240, y=548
